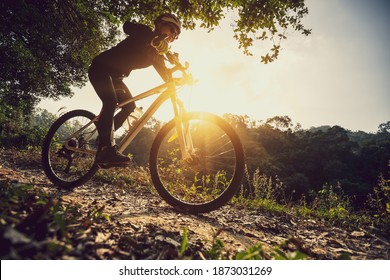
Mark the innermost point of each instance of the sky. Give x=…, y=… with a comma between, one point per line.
x=338, y=75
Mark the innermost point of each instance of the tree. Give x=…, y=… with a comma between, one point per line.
x=46, y=46
x=384, y=127
x=280, y=122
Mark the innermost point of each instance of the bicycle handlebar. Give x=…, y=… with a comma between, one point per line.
x=173, y=58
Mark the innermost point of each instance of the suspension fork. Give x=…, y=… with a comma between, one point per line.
x=182, y=129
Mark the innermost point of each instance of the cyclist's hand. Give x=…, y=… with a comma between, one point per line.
x=173, y=58
x=160, y=44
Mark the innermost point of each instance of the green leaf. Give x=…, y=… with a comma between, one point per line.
x=184, y=242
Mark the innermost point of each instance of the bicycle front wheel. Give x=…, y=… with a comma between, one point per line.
x=211, y=177
x=69, y=148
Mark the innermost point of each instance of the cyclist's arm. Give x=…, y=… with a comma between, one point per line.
x=161, y=48
x=161, y=68
x=132, y=28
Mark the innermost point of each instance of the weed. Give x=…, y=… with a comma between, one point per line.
x=261, y=186
x=184, y=243
x=216, y=251
x=94, y=216
x=254, y=252
x=378, y=202
x=331, y=201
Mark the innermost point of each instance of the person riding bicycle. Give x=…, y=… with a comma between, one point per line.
x=142, y=48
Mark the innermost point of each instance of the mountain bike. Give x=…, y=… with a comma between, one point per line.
x=196, y=160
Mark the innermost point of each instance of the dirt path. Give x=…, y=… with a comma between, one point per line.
x=142, y=226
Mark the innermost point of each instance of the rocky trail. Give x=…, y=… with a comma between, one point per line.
x=134, y=223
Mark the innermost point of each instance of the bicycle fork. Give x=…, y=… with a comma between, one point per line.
x=183, y=132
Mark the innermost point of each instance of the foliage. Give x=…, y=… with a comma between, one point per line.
x=378, y=202
x=34, y=224
x=262, y=192
x=216, y=251
x=184, y=243
x=262, y=20
x=290, y=249
x=384, y=127
x=264, y=187
x=14, y=131
x=305, y=160
x=254, y=20
x=331, y=202
x=46, y=47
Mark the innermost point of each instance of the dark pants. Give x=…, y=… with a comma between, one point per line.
x=111, y=90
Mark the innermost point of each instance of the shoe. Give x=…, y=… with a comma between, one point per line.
x=110, y=156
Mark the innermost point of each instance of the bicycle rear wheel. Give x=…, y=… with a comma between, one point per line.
x=211, y=177
x=68, y=157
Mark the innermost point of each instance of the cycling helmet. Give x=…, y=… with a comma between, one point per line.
x=168, y=18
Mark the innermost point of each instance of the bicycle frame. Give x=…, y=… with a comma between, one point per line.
x=166, y=91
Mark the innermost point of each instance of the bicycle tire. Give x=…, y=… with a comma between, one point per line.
x=54, y=155
x=172, y=177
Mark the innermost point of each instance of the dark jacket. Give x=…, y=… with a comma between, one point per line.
x=134, y=52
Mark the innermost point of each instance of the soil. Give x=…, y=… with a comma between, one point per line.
x=142, y=226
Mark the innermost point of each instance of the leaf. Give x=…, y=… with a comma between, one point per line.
x=280, y=255
x=357, y=233
x=265, y=59
x=184, y=243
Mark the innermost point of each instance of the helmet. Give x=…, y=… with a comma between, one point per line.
x=168, y=18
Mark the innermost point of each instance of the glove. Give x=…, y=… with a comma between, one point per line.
x=160, y=44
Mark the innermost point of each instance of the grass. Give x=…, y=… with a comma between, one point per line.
x=329, y=204
x=291, y=249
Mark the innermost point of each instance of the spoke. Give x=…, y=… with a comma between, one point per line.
x=221, y=153
x=220, y=147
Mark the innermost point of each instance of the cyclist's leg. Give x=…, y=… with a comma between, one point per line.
x=122, y=94
x=102, y=82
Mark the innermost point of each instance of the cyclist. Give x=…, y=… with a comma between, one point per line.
x=142, y=48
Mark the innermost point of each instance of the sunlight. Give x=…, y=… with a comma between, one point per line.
x=212, y=92
x=312, y=81
x=228, y=81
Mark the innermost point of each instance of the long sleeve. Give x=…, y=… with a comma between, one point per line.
x=161, y=68
x=132, y=28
